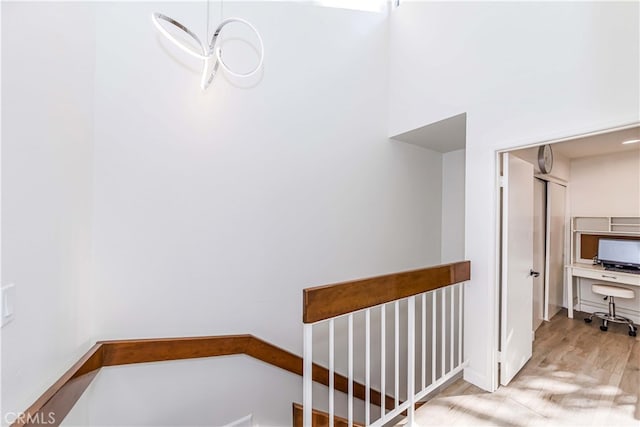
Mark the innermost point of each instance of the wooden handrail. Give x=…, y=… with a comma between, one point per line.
x=325, y=302
x=320, y=303
x=64, y=393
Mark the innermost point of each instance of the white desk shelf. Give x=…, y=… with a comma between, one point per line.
x=626, y=225
x=581, y=268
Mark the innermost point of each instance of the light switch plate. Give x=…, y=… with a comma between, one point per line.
x=7, y=303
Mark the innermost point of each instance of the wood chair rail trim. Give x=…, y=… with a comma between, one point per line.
x=325, y=302
x=64, y=393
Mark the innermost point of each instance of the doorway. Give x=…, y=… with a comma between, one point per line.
x=590, y=178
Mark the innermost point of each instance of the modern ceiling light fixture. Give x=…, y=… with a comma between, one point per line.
x=211, y=55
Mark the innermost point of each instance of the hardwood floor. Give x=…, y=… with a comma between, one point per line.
x=578, y=376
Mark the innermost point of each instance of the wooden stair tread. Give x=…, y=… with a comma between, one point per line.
x=319, y=418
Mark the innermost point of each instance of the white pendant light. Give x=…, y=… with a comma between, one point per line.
x=211, y=55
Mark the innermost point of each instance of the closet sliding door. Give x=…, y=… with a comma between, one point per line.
x=539, y=252
x=556, y=199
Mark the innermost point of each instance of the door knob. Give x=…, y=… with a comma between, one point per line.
x=534, y=273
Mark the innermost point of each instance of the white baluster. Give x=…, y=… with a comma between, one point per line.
x=350, y=337
x=411, y=355
x=434, y=340
x=424, y=341
x=397, y=353
x=460, y=325
x=443, y=340
x=452, y=326
x=307, y=379
x=331, y=371
x=383, y=361
x=367, y=367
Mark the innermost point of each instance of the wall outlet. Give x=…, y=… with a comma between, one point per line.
x=7, y=303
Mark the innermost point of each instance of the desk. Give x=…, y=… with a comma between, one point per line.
x=595, y=272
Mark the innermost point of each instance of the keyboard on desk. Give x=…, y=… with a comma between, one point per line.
x=623, y=270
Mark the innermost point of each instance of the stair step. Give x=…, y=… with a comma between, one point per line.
x=319, y=418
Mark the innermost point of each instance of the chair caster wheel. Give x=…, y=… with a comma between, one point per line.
x=604, y=328
x=587, y=320
x=632, y=333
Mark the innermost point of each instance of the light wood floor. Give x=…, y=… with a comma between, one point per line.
x=578, y=376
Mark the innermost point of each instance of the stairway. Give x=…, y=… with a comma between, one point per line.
x=319, y=418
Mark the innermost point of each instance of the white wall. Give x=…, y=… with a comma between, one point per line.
x=47, y=115
x=213, y=210
x=452, y=246
x=524, y=73
x=164, y=394
x=209, y=211
x=607, y=185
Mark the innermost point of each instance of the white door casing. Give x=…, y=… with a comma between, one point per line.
x=516, y=323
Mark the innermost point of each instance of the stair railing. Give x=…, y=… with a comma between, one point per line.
x=435, y=292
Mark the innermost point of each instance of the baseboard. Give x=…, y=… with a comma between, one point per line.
x=401, y=420
x=444, y=385
x=478, y=379
x=589, y=307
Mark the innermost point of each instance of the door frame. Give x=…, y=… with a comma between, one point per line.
x=496, y=315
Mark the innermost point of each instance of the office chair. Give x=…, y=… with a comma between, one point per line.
x=611, y=292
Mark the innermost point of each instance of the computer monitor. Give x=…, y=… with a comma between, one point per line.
x=619, y=253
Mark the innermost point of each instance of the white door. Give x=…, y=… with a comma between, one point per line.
x=516, y=327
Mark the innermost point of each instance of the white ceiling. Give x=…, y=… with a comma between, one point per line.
x=443, y=136
x=599, y=144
